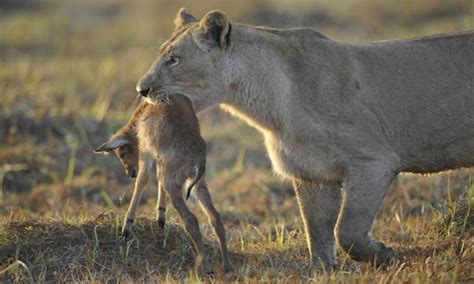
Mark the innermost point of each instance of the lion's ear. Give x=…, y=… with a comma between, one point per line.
x=183, y=18
x=214, y=30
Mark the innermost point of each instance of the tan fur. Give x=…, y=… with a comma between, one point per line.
x=332, y=113
x=167, y=135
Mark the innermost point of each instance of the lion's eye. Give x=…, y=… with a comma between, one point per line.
x=172, y=60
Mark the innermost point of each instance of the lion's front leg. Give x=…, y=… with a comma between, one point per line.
x=319, y=205
x=364, y=189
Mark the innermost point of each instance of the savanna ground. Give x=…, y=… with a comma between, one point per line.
x=67, y=76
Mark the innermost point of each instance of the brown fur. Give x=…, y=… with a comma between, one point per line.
x=167, y=134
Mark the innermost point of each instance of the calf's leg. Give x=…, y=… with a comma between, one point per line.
x=215, y=220
x=161, y=207
x=173, y=189
x=140, y=183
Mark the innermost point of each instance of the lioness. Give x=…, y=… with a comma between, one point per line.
x=167, y=135
x=331, y=113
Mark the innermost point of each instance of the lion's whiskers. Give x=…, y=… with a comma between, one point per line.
x=161, y=95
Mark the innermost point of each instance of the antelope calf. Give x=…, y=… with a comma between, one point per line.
x=166, y=136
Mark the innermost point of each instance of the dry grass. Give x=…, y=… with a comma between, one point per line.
x=435, y=247
x=67, y=81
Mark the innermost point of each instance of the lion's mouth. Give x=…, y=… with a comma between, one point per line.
x=158, y=95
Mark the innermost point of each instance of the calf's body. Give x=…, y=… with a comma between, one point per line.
x=164, y=139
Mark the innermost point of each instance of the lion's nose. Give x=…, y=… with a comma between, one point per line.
x=143, y=92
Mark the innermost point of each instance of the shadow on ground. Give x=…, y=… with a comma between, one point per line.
x=74, y=251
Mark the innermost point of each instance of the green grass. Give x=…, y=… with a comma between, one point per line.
x=67, y=77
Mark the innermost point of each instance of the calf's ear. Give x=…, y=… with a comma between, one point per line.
x=111, y=144
x=183, y=18
x=214, y=31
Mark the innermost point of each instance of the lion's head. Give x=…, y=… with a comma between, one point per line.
x=191, y=61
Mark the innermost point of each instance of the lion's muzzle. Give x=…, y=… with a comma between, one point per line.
x=143, y=92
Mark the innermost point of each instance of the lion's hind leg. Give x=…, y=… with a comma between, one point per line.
x=364, y=189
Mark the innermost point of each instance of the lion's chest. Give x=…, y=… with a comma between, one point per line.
x=302, y=160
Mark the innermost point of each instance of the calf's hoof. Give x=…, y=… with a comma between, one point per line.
x=126, y=230
x=203, y=265
x=228, y=268
x=125, y=235
x=161, y=223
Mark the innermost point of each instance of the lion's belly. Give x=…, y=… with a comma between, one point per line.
x=302, y=162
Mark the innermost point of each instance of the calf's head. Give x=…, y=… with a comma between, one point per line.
x=126, y=149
